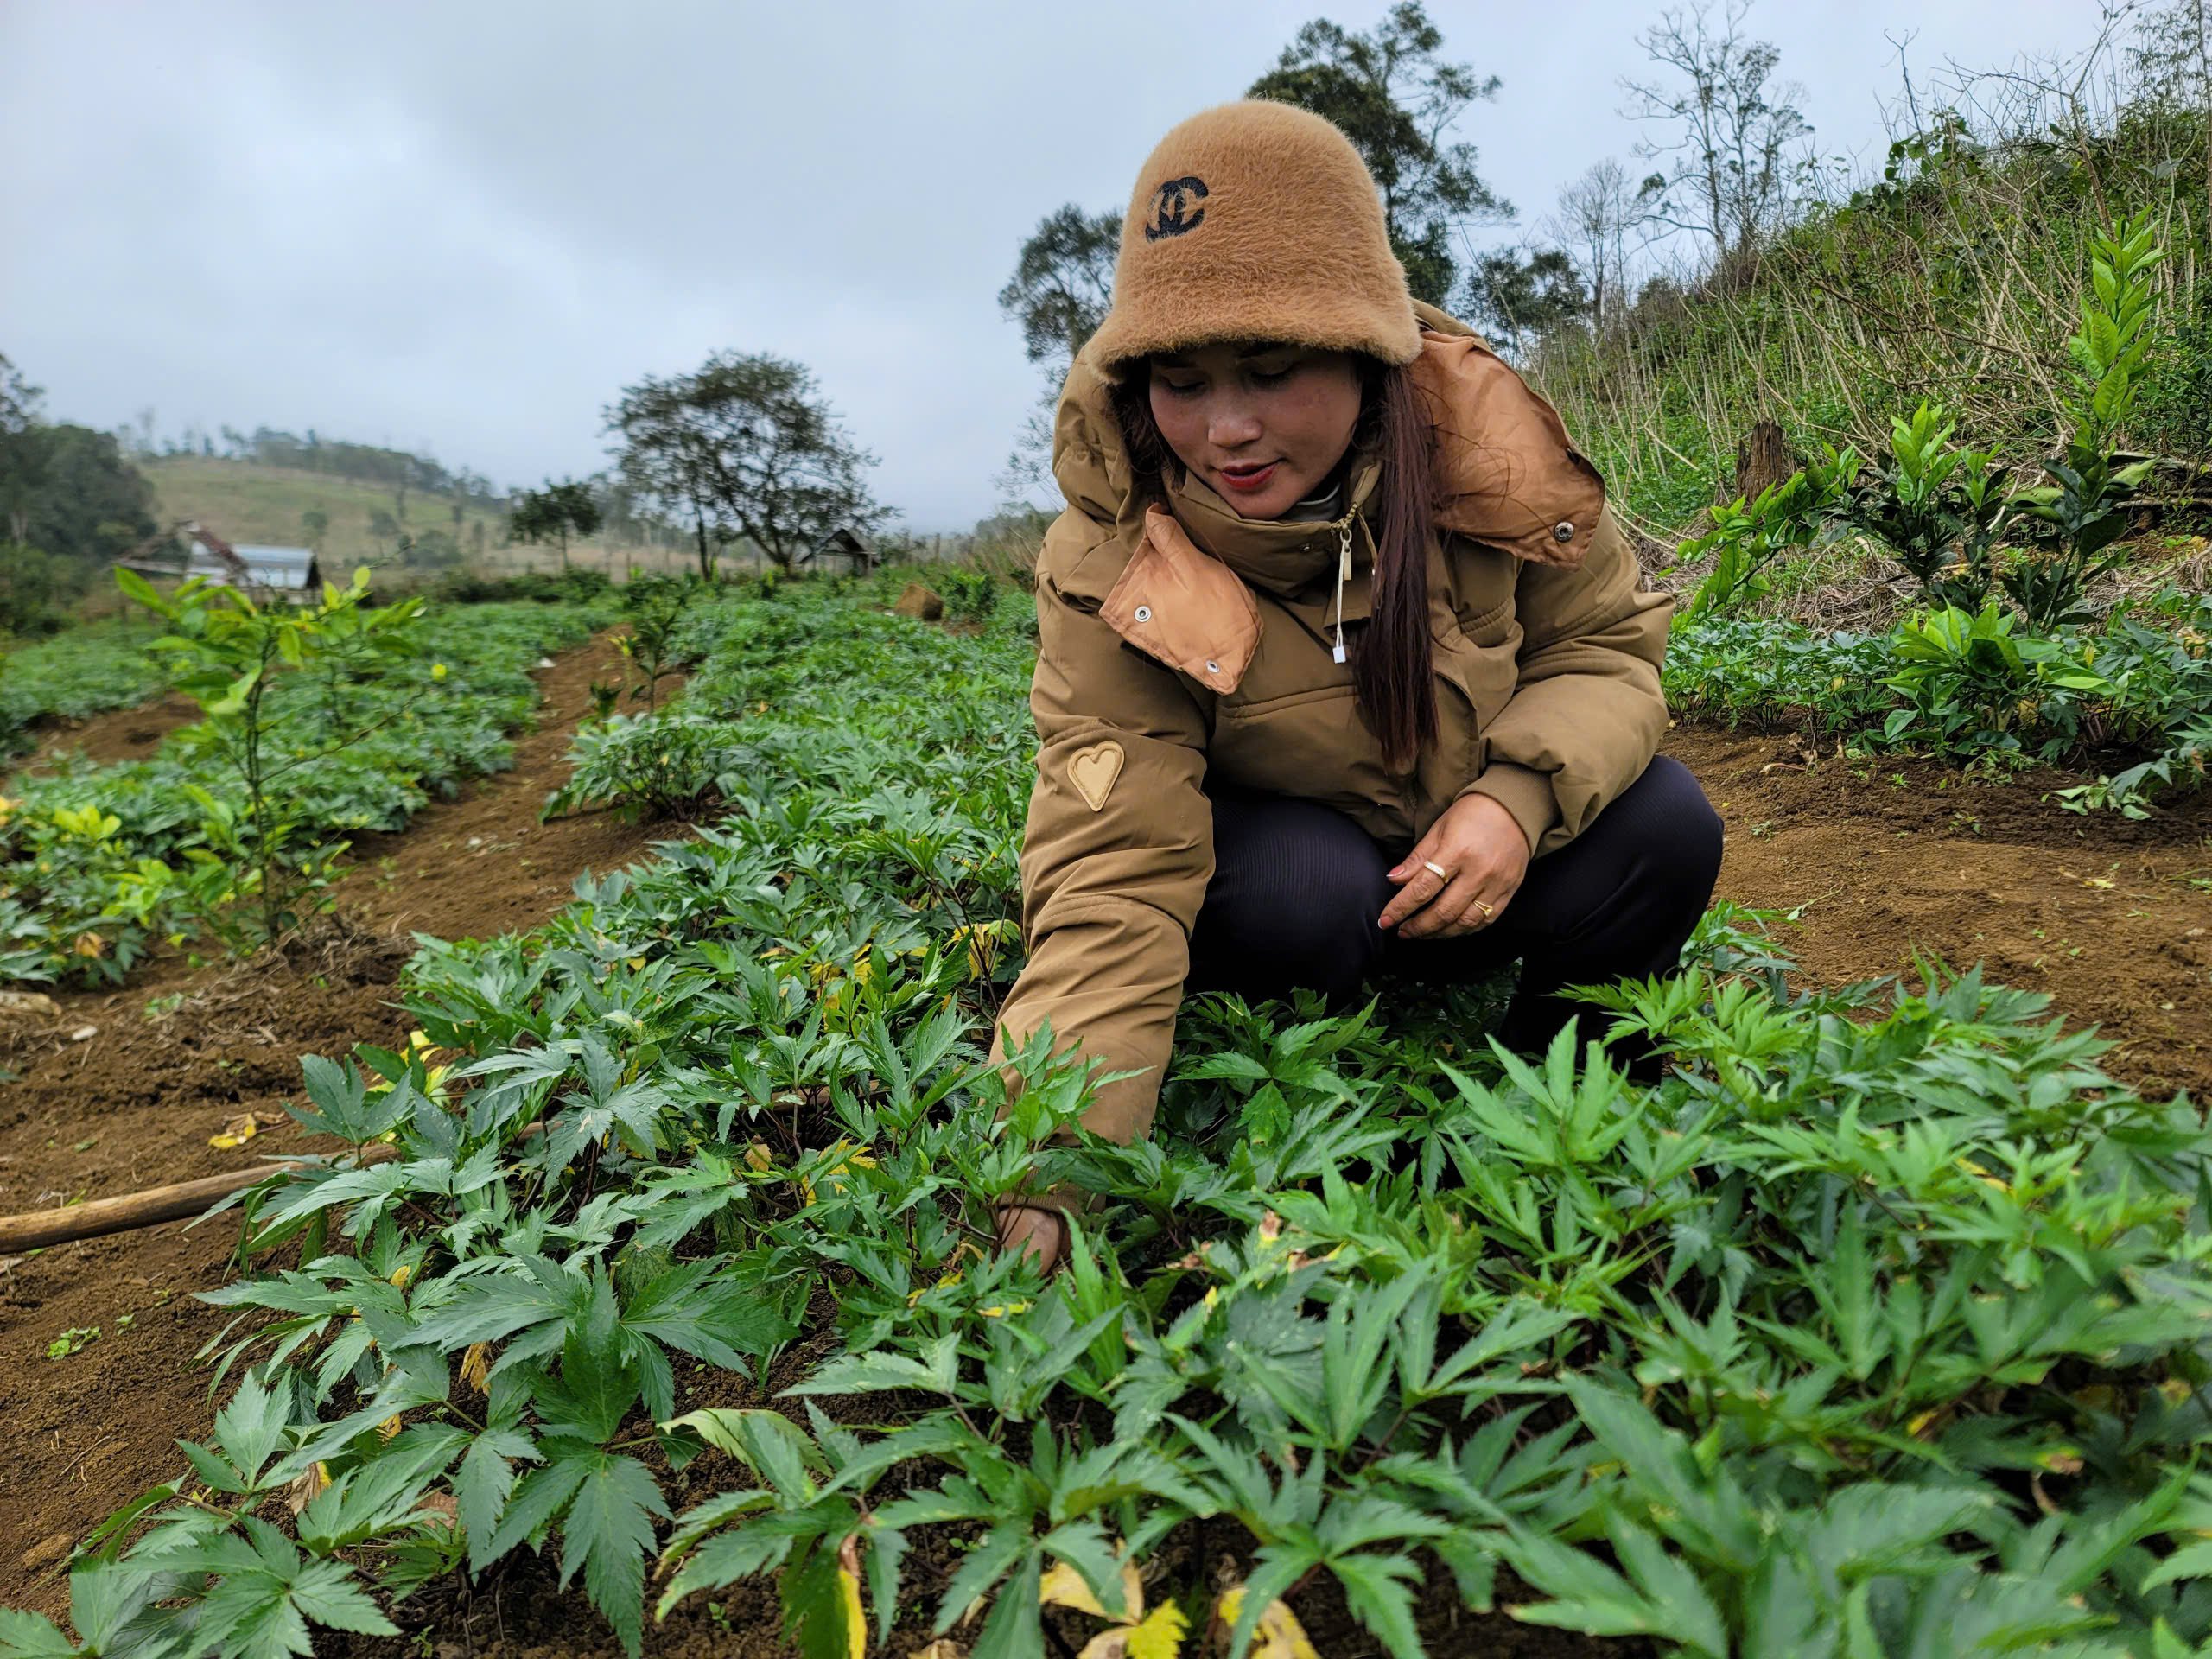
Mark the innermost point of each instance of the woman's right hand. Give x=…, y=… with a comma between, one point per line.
x=1032, y=1228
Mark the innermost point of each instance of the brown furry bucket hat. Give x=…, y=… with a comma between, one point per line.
x=1256, y=220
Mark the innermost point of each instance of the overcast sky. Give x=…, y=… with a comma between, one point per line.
x=462, y=227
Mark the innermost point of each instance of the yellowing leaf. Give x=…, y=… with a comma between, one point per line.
x=302, y=1491
x=236, y=1133
x=1160, y=1636
x=759, y=1158
x=1063, y=1586
x=848, y=1594
x=1277, y=1635
x=476, y=1366
x=389, y=1428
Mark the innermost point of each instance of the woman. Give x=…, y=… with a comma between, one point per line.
x=1343, y=661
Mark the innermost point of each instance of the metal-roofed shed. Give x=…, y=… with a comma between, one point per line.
x=290, y=568
x=261, y=569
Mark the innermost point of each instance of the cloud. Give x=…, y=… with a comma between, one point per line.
x=464, y=228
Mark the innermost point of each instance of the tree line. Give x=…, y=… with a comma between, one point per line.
x=70, y=500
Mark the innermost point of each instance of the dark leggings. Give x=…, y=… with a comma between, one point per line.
x=1297, y=886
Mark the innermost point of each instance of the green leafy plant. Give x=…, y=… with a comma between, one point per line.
x=1936, y=506
x=2070, y=527
x=1747, y=538
x=655, y=606
x=227, y=653
x=1875, y=1326
x=969, y=595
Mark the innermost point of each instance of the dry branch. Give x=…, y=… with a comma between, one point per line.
x=99, y=1217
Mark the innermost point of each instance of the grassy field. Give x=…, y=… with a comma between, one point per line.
x=246, y=501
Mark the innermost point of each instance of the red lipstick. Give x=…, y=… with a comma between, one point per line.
x=1248, y=481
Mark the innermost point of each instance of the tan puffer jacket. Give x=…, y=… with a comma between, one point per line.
x=1179, y=646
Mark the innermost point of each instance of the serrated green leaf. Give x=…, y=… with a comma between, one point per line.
x=608, y=1532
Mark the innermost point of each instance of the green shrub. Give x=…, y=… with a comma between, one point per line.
x=649, y=766
x=577, y=585
x=969, y=595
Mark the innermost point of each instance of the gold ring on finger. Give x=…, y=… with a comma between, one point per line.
x=1487, y=912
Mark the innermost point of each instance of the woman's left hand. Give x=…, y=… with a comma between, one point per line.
x=1478, y=841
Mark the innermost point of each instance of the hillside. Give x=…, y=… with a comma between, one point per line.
x=1955, y=274
x=251, y=501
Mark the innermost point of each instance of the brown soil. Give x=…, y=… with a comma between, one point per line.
x=117, y=736
x=2098, y=911
x=124, y=1091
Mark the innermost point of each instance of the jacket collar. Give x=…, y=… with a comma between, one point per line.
x=1507, y=475
x=1282, y=556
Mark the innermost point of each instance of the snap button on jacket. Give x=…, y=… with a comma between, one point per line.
x=1197, y=644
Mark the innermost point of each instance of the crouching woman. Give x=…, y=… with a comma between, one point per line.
x=1344, y=662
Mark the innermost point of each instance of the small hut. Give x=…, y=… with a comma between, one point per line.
x=844, y=544
x=260, y=571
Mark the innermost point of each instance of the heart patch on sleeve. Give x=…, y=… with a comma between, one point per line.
x=1092, y=771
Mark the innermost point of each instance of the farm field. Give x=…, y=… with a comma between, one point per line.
x=254, y=501
x=1897, y=1276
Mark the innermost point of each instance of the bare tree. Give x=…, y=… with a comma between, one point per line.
x=2172, y=59
x=1596, y=215
x=1730, y=151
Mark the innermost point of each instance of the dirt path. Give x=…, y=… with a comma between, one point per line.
x=170, y=1058
x=117, y=736
x=2113, y=919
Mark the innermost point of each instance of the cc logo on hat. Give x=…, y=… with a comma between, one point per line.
x=1171, y=208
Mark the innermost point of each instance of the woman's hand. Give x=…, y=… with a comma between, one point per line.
x=1034, y=1228
x=1478, y=841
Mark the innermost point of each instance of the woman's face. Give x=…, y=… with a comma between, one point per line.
x=1262, y=425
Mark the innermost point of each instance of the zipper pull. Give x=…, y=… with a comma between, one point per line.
x=1344, y=575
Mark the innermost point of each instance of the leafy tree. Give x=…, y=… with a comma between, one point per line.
x=1398, y=102
x=430, y=550
x=19, y=402
x=315, y=523
x=1062, y=287
x=745, y=446
x=553, y=513
x=1063, y=283
x=1729, y=128
x=69, y=491
x=34, y=587
x=665, y=458
x=383, y=528
x=1513, y=294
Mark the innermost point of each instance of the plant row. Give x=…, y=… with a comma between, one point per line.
x=318, y=722
x=92, y=669
x=1876, y=1328
x=2129, y=698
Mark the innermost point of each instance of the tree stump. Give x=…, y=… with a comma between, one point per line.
x=919, y=600
x=1763, y=461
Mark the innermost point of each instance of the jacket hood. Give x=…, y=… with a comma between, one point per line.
x=1506, y=471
